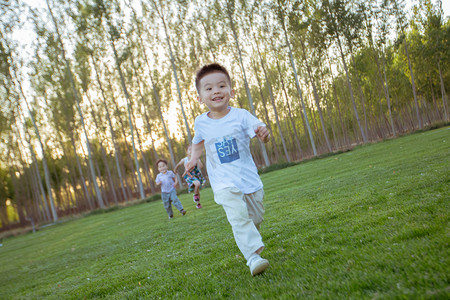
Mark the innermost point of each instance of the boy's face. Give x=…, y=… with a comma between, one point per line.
x=162, y=167
x=215, y=92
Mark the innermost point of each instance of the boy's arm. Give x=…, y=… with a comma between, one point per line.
x=157, y=181
x=262, y=133
x=178, y=165
x=196, y=152
x=175, y=180
x=200, y=164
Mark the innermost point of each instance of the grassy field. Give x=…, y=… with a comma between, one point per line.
x=372, y=223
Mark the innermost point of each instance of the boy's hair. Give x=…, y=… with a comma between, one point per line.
x=161, y=160
x=208, y=69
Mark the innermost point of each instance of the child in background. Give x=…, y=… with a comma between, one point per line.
x=225, y=133
x=194, y=177
x=168, y=182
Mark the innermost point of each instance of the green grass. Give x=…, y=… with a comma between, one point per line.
x=372, y=223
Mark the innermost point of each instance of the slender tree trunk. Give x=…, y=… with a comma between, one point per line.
x=125, y=91
x=146, y=166
x=272, y=101
x=72, y=82
x=299, y=91
x=247, y=89
x=316, y=95
x=294, y=128
x=166, y=132
x=174, y=69
x=413, y=84
x=125, y=143
x=329, y=111
x=80, y=172
x=266, y=114
x=386, y=92
x=103, y=152
x=113, y=135
x=44, y=160
x=144, y=103
x=39, y=181
x=361, y=94
x=208, y=39
x=444, y=94
x=355, y=110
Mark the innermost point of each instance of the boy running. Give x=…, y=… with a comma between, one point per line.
x=225, y=133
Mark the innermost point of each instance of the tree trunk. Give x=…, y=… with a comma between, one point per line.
x=80, y=172
x=444, y=94
x=266, y=115
x=103, y=153
x=413, y=85
x=113, y=135
x=72, y=82
x=355, y=110
x=316, y=95
x=44, y=160
x=299, y=91
x=249, y=96
x=125, y=91
x=272, y=101
x=174, y=69
x=386, y=91
x=361, y=94
x=294, y=128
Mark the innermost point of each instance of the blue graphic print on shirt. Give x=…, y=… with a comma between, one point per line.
x=227, y=150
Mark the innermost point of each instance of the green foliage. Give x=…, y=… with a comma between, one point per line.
x=369, y=223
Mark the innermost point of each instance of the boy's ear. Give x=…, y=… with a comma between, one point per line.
x=199, y=99
x=232, y=93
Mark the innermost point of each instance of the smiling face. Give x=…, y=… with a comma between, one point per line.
x=162, y=167
x=215, y=92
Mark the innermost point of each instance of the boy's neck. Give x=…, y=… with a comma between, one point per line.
x=219, y=114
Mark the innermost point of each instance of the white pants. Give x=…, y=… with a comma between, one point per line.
x=245, y=214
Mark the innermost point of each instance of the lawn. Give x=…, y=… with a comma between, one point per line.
x=371, y=223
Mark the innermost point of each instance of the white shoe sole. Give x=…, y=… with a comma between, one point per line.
x=262, y=265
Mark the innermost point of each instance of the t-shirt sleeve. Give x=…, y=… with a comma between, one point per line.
x=197, y=136
x=157, y=180
x=251, y=123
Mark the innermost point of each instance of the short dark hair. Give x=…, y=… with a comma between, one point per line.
x=161, y=160
x=208, y=69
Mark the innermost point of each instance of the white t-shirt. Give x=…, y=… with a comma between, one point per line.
x=167, y=181
x=227, y=143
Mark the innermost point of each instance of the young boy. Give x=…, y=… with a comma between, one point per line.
x=168, y=182
x=225, y=133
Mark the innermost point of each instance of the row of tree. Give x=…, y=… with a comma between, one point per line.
x=84, y=118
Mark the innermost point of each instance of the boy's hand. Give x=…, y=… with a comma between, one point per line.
x=262, y=133
x=189, y=166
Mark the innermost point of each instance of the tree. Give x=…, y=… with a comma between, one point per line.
x=279, y=10
x=229, y=11
x=398, y=10
x=75, y=93
x=159, y=10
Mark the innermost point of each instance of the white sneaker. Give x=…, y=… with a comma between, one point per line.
x=257, y=264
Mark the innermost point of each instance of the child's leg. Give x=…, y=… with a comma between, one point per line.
x=247, y=237
x=196, y=184
x=255, y=206
x=166, y=201
x=175, y=200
